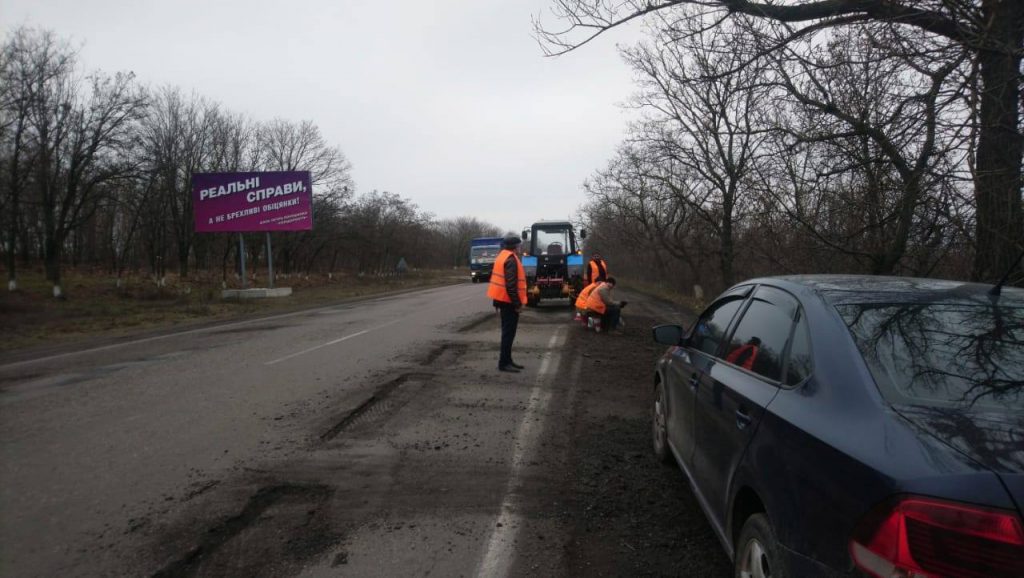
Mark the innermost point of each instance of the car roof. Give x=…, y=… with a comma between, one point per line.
x=848, y=289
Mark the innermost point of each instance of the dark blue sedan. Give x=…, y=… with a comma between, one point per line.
x=847, y=425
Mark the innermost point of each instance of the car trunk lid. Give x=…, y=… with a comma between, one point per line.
x=992, y=438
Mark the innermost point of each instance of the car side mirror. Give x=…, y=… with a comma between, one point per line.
x=583, y=233
x=526, y=235
x=668, y=334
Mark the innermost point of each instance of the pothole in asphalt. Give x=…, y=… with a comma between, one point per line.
x=447, y=350
x=377, y=407
x=200, y=489
x=475, y=323
x=281, y=523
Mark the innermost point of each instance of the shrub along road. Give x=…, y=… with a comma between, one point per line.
x=364, y=439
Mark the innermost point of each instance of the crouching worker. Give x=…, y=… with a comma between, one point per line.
x=601, y=302
x=581, y=300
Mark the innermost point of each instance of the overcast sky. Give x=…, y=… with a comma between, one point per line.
x=448, y=103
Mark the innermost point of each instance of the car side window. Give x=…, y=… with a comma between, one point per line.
x=799, y=366
x=710, y=329
x=759, y=342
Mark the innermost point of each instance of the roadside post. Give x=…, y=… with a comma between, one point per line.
x=270, y=262
x=241, y=259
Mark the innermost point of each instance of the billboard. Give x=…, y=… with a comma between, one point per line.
x=250, y=202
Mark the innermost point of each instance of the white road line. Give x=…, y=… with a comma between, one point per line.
x=199, y=330
x=363, y=332
x=332, y=342
x=464, y=299
x=498, y=555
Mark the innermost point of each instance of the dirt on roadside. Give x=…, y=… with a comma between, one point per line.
x=630, y=514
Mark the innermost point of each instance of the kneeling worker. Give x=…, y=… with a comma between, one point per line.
x=508, y=290
x=600, y=302
x=581, y=299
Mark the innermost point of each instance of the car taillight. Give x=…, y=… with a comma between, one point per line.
x=914, y=537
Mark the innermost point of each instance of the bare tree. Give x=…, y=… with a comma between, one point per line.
x=867, y=118
x=705, y=128
x=32, y=64
x=177, y=134
x=386, y=225
x=457, y=233
x=632, y=207
x=287, y=146
x=991, y=31
x=79, y=130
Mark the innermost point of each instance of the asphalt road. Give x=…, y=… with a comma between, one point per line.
x=373, y=438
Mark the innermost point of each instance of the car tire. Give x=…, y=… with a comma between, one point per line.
x=757, y=551
x=659, y=425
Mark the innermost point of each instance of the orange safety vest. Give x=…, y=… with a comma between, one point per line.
x=594, y=302
x=598, y=271
x=497, y=289
x=748, y=362
x=581, y=301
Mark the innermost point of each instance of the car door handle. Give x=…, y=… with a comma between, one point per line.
x=694, y=381
x=742, y=419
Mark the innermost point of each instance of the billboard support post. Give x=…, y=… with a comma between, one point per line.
x=270, y=262
x=241, y=258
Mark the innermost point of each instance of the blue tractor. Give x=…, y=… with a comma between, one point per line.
x=553, y=260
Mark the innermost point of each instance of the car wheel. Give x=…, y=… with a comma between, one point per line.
x=659, y=425
x=757, y=552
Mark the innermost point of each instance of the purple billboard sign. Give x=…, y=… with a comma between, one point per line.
x=249, y=202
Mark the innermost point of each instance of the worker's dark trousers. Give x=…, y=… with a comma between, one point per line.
x=509, y=324
x=610, y=319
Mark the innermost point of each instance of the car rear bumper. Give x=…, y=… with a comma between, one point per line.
x=800, y=565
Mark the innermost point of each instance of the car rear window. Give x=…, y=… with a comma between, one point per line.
x=943, y=354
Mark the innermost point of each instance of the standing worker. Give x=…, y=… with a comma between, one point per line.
x=508, y=290
x=597, y=269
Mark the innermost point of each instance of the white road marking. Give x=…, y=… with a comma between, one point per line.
x=331, y=342
x=498, y=555
x=199, y=330
x=358, y=333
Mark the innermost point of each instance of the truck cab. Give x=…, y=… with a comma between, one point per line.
x=553, y=260
x=482, y=253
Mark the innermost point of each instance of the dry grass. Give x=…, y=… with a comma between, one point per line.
x=95, y=306
x=668, y=294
